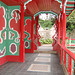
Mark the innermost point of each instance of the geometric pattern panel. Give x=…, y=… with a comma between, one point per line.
x=42, y=59
x=39, y=68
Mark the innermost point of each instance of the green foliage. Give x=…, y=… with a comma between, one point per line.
x=47, y=23
x=47, y=41
x=71, y=22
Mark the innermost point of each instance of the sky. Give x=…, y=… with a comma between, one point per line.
x=44, y=16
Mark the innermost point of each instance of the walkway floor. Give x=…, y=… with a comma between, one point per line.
x=35, y=64
x=45, y=47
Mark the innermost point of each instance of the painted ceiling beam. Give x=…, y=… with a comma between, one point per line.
x=70, y=6
x=69, y=2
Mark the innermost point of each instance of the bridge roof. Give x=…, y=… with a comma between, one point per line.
x=35, y=6
x=70, y=6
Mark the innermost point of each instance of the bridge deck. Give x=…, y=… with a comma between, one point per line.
x=35, y=64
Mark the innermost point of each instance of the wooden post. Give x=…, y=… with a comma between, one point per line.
x=63, y=29
x=70, y=65
x=22, y=50
x=65, y=58
x=32, y=35
x=63, y=24
x=59, y=28
x=37, y=17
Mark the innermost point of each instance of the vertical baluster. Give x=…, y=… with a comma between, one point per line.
x=61, y=59
x=70, y=66
x=65, y=59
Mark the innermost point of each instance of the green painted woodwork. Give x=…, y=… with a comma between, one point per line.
x=71, y=0
x=72, y=41
x=69, y=8
x=72, y=67
x=27, y=33
x=8, y=41
x=4, y=43
x=68, y=11
x=26, y=3
x=45, y=12
x=70, y=5
x=15, y=40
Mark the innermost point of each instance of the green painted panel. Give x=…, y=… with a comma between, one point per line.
x=70, y=5
x=2, y=40
x=15, y=40
x=68, y=11
x=11, y=41
x=27, y=32
x=45, y=12
x=69, y=8
x=70, y=0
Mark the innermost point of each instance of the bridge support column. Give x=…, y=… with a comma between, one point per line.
x=59, y=28
x=32, y=35
x=58, y=33
x=22, y=50
x=63, y=31
x=37, y=17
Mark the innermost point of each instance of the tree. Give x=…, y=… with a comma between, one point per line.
x=46, y=23
x=71, y=22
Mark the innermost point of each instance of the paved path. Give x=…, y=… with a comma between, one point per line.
x=48, y=63
x=45, y=47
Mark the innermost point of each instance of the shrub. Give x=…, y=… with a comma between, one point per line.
x=47, y=41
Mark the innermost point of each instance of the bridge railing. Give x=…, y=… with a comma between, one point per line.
x=67, y=58
x=70, y=42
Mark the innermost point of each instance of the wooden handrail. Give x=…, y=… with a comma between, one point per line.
x=71, y=54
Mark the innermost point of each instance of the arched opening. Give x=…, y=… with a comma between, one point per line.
x=18, y=33
x=34, y=9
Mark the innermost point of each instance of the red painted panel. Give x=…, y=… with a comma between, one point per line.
x=32, y=7
x=43, y=5
x=13, y=2
x=27, y=28
x=16, y=23
x=2, y=20
x=8, y=58
x=27, y=50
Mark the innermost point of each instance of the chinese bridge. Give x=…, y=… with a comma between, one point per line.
x=19, y=29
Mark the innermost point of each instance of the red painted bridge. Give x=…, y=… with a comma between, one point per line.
x=19, y=35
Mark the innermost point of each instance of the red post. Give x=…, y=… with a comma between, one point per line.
x=37, y=17
x=58, y=32
x=63, y=24
x=61, y=56
x=22, y=50
x=63, y=28
x=59, y=28
x=70, y=65
x=32, y=35
x=65, y=59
